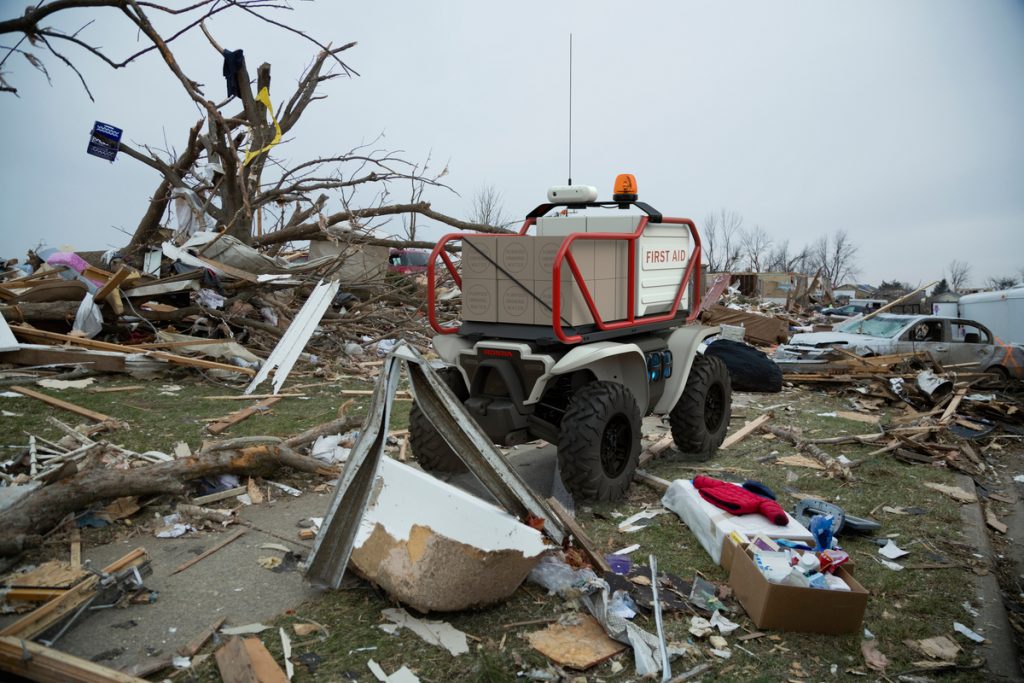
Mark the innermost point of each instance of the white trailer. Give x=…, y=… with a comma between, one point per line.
x=1002, y=312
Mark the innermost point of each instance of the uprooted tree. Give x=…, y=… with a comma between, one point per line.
x=228, y=176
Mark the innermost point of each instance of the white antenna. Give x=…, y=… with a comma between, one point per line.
x=570, y=109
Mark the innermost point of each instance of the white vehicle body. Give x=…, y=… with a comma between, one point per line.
x=1002, y=312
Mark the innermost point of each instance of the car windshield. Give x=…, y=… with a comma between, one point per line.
x=415, y=258
x=880, y=326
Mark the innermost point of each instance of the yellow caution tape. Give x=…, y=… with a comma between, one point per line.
x=264, y=97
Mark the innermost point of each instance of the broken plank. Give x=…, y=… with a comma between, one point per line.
x=202, y=556
x=645, y=477
x=243, y=414
x=220, y=495
x=39, y=663
x=247, y=661
x=32, y=333
x=399, y=395
x=993, y=521
x=253, y=397
x=655, y=449
x=196, y=644
x=76, y=548
x=33, y=594
x=39, y=354
x=64, y=405
x=581, y=536
x=953, y=405
x=113, y=283
x=858, y=417
x=114, y=390
x=745, y=431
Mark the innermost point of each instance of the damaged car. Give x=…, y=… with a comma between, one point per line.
x=953, y=342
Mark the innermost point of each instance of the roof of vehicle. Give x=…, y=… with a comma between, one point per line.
x=1015, y=292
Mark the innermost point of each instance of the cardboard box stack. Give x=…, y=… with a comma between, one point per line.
x=509, y=280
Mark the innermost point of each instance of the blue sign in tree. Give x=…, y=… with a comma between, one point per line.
x=103, y=141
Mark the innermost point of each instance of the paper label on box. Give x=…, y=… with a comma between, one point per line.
x=514, y=257
x=515, y=301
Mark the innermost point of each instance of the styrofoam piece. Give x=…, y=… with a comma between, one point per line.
x=711, y=524
x=436, y=547
x=409, y=497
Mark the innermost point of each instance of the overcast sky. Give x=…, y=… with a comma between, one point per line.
x=902, y=122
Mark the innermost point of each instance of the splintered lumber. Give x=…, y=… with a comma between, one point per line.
x=581, y=536
x=45, y=616
x=745, y=431
x=39, y=663
x=240, y=415
x=220, y=495
x=31, y=333
x=202, y=556
x=896, y=302
x=832, y=466
x=953, y=405
x=247, y=661
x=64, y=405
x=41, y=510
x=655, y=449
x=645, y=477
x=113, y=283
x=196, y=644
x=32, y=594
x=39, y=354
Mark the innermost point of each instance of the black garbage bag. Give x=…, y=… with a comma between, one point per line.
x=749, y=369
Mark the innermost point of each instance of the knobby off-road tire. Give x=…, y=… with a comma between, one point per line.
x=431, y=450
x=599, y=442
x=700, y=418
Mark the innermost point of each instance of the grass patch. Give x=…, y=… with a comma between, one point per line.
x=914, y=603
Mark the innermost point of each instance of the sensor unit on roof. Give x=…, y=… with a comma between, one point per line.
x=572, y=194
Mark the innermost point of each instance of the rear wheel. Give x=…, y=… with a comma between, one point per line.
x=700, y=419
x=599, y=442
x=432, y=452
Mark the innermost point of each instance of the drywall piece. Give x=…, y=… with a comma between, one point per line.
x=579, y=646
x=437, y=548
x=439, y=633
x=296, y=336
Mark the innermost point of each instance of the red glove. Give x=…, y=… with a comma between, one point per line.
x=738, y=500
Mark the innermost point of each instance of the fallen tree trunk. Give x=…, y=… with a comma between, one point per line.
x=40, y=511
x=832, y=466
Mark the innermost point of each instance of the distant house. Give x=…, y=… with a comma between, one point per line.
x=777, y=288
x=854, y=290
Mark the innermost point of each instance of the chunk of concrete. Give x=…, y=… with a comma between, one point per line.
x=437, y=548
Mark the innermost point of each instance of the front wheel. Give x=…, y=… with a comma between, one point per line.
x=599, y=442
x=700, y=418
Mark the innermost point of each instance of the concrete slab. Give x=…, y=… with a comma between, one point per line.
x=992, y=622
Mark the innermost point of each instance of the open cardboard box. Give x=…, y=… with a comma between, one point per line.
x=789, y=608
